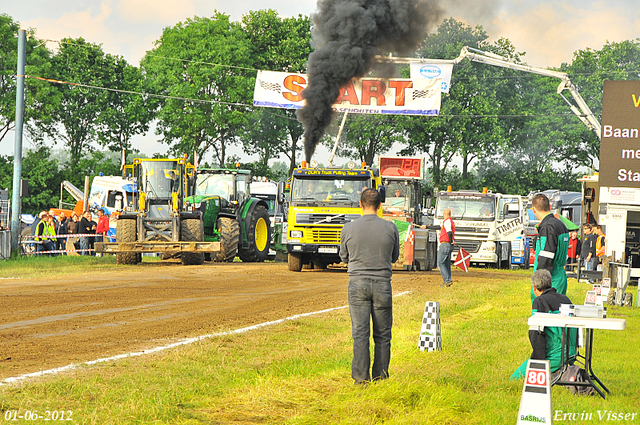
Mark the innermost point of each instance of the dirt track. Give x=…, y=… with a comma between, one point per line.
x=52, y=323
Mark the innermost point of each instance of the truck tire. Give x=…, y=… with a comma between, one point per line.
x=258, y=236
x=126, y=232
x=229, y=230
x=319, y=264
x=191, y=231
x=506, y=262
x=295, y=262
x=432, y=255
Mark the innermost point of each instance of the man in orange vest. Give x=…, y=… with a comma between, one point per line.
x=599, y=242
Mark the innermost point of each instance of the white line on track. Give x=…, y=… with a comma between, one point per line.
x=175, y=344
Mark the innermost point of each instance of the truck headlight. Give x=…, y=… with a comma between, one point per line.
x=295, y=234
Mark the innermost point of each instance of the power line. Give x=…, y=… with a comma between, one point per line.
x=203, y=63
x=164, y=57
x=529, y=76
x=186, y=99
x=244, y=105
x=50, y=80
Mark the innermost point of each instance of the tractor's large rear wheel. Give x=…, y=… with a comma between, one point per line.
x=229, y=230
x=126, y=232
x=258, y=236
x=191, y=231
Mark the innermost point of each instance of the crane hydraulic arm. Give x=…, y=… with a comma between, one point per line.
x=582, y=110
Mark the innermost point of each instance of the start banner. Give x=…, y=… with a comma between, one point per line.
x=399, y=96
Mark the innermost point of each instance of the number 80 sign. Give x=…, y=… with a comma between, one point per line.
x=537, y=377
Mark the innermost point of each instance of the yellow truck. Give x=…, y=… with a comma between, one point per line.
x=319, y=203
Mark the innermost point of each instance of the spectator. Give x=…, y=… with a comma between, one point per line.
x=2, y=226
x=92, y=239
x=103, y=226
x=42, y=235
x=546, y=344
x=52, y=213
x=574, y=250
x=552, y=244
x=63, y=229
x=588, y=250
x=447, y=239
x=600, y=237
x=51, y=232
x=73, y=223
x=73, y=242
x=86, y=229
x=370, y=245
x=34, y=225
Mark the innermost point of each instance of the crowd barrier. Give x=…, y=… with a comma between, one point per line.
x=5, y=244
x=28, y=244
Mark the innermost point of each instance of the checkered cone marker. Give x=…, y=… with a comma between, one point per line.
x=430, y=338
x=463, y=260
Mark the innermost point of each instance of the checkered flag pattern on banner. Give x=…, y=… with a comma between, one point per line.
x=430, y=338
x=463, y=260
x=418, y=94
x=270, y=86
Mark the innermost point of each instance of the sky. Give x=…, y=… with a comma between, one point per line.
x=548, y=31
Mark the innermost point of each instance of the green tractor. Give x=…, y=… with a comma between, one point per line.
x=231, y=216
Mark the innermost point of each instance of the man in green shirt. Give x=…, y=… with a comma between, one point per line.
x=552, y=244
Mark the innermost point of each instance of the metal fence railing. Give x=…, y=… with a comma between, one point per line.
x=5, y=244
x=4, y=212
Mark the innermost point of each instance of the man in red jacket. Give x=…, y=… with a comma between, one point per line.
x=103, y=226
x=447, y=238
x=575, y=245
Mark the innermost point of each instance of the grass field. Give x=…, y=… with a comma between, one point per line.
x=298, y=372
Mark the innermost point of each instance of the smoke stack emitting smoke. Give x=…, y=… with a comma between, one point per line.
x=347, y=35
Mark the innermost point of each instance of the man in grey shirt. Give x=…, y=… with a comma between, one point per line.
x=370, y=245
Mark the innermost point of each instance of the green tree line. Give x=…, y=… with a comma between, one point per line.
x=505, y=129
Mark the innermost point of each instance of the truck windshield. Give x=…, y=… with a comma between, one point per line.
x=160, y=178
x=467, y=207
x=315, y=191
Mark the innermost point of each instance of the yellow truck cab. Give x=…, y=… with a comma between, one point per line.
x=320, y=202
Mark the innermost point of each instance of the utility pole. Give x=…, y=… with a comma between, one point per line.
x=17, y=150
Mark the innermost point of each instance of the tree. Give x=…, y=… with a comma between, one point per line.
x=365, y=136
x=277, y=44
x=36, y=55
x=75, y=110
x=458, y=131
x=589, y=69
x=127, y=114
x=43, y=174
x=201, y=68
x=264, y=135
x=547, y=144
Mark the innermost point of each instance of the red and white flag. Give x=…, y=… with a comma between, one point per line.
x=463, y=260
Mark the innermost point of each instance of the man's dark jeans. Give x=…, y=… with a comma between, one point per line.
x=85, y=244
x=370, y=299
x=444, y=261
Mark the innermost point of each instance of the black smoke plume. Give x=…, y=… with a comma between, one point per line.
x=347, y=34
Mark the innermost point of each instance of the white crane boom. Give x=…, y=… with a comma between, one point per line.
x=582, y=110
